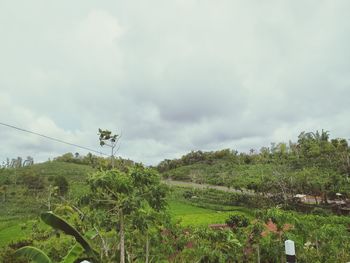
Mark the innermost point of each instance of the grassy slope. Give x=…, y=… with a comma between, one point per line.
x=17, y=212
x=20, y=204
x=73, y=172
x=220, y=172
x=14, y=230
x=201, y=211
x=14, y=213
x=192, y=215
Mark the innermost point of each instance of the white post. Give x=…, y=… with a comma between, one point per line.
x=290, y=251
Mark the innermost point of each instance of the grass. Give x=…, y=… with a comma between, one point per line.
x=14, y=230
x=192, y=215
x=220, y=172
x=22, y=204
x=18, y=212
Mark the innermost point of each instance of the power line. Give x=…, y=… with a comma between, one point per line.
x=53, y=139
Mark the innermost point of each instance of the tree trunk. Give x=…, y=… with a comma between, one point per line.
x=147, y=247
x=324, y=197
x=49, y=200
x=122, y=237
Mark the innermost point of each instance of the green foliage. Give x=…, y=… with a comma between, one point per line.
x=14, y=230
x=73, y=254
x=107, y=136
x=128, y=191
x=22, y=202
x=33, y=182
x=132, y=198
x=192, y=215
x=34, y=254
x=206, y=245
x=237, y=221
x=135, y=195
x=96, y=162
x=61, y=183
x=7, y=254
x=314, y=164
x=58, y=223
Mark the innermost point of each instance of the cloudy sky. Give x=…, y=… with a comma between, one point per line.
x=171, y=76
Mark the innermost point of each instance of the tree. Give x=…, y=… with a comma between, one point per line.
x=67, y=157
x=29, y=161
x=61, y=183
x=145, y=224
x=237, y=221
x=107, y=138
x=123, y=193
x=33, y=182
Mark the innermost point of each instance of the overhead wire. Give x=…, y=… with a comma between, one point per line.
x=52, y=138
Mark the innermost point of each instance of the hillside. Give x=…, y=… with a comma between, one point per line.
x=206, y=214
x=18, y=201
x=314, y=165
x=220, y=172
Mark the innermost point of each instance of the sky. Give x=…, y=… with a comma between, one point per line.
x=171, y=76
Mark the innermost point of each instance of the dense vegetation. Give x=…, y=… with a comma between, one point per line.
x=314, y=165
x=120, y=211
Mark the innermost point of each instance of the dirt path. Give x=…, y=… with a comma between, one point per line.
x=205, y=186
x=221, y=188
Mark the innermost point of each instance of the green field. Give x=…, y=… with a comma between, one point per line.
x=191, y=215
x=19, y=211
x=192, y=208
x=12, y=230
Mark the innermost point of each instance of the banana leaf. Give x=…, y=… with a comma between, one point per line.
x=33, y=253
x=59, y=223
x=73, y=254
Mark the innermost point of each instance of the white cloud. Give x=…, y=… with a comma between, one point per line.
x=172, y=76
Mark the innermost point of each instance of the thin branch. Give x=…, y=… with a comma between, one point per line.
x=104, y=243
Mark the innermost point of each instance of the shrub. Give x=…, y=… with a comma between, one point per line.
x=33, y=181
x=61, y=182
x=188, y=194
x=237, y=221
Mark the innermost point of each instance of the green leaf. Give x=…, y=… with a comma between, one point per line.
x=33, y=253
x=59, y=223
x=73, y=254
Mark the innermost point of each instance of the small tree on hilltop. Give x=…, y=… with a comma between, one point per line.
x=107, y=138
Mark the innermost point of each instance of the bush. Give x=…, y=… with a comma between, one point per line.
x=237, y=221
x=188, y=194
x=61, y=182
x=33, y=181
x=7, y=254
x=320, y=211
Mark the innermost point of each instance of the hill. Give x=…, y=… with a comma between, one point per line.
x=183, y=231
x=315, y=165
x=20, y=201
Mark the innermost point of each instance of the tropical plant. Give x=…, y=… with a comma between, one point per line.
x=122, y=194
x=75, y=252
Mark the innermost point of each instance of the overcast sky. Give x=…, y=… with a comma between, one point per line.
x=171, y=76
